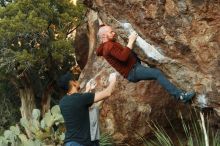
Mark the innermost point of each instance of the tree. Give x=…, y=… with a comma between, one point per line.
x=34, y=49
x=3, y=3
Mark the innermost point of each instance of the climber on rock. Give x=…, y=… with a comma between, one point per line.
x=126, y=62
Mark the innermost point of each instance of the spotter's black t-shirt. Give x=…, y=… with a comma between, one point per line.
x=75, y=111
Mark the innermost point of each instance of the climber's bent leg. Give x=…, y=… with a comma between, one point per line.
x=140, y=72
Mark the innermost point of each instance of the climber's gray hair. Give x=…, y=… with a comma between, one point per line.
x=101, y=32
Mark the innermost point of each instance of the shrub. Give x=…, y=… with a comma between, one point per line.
x=47, y=131
x=36, y=132
x=9, y=112
x=197, y=133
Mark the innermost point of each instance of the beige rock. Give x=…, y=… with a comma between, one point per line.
x=187, y=32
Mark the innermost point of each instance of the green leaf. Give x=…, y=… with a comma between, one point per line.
x=24, y=123
x=43, y=124
x=55, y=110
x=36, y=114
x=48, y=119
x=15, y=130
x=58, y=118
x=3, y=141
x=9, y=135
x=62, y=136
x=35, y=126
x=32, y=143
x=23, y=138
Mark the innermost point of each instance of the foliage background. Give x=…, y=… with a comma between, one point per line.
x=35, y=49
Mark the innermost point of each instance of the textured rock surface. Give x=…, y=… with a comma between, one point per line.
x=186, y=31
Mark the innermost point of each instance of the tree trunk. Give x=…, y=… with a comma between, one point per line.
x=46, y=98
x=27, y=102
x=45, y=103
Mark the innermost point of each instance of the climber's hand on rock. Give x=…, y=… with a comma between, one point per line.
x=133, y=36
x=112, y=77
x=131, y=39
x=91, y=85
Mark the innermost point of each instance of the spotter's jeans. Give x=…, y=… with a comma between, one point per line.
x=73, y=143
x=139, y=72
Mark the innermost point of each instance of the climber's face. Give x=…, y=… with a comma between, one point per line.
x=109, y=33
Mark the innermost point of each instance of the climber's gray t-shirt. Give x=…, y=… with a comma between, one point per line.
x=94, y=123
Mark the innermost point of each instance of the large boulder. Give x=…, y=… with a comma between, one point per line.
x=186, y=32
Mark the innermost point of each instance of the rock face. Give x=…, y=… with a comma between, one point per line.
x=185, y=31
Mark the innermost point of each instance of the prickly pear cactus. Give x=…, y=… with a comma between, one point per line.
x=36, y=133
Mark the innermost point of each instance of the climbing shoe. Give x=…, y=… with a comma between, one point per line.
x=185, y=97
